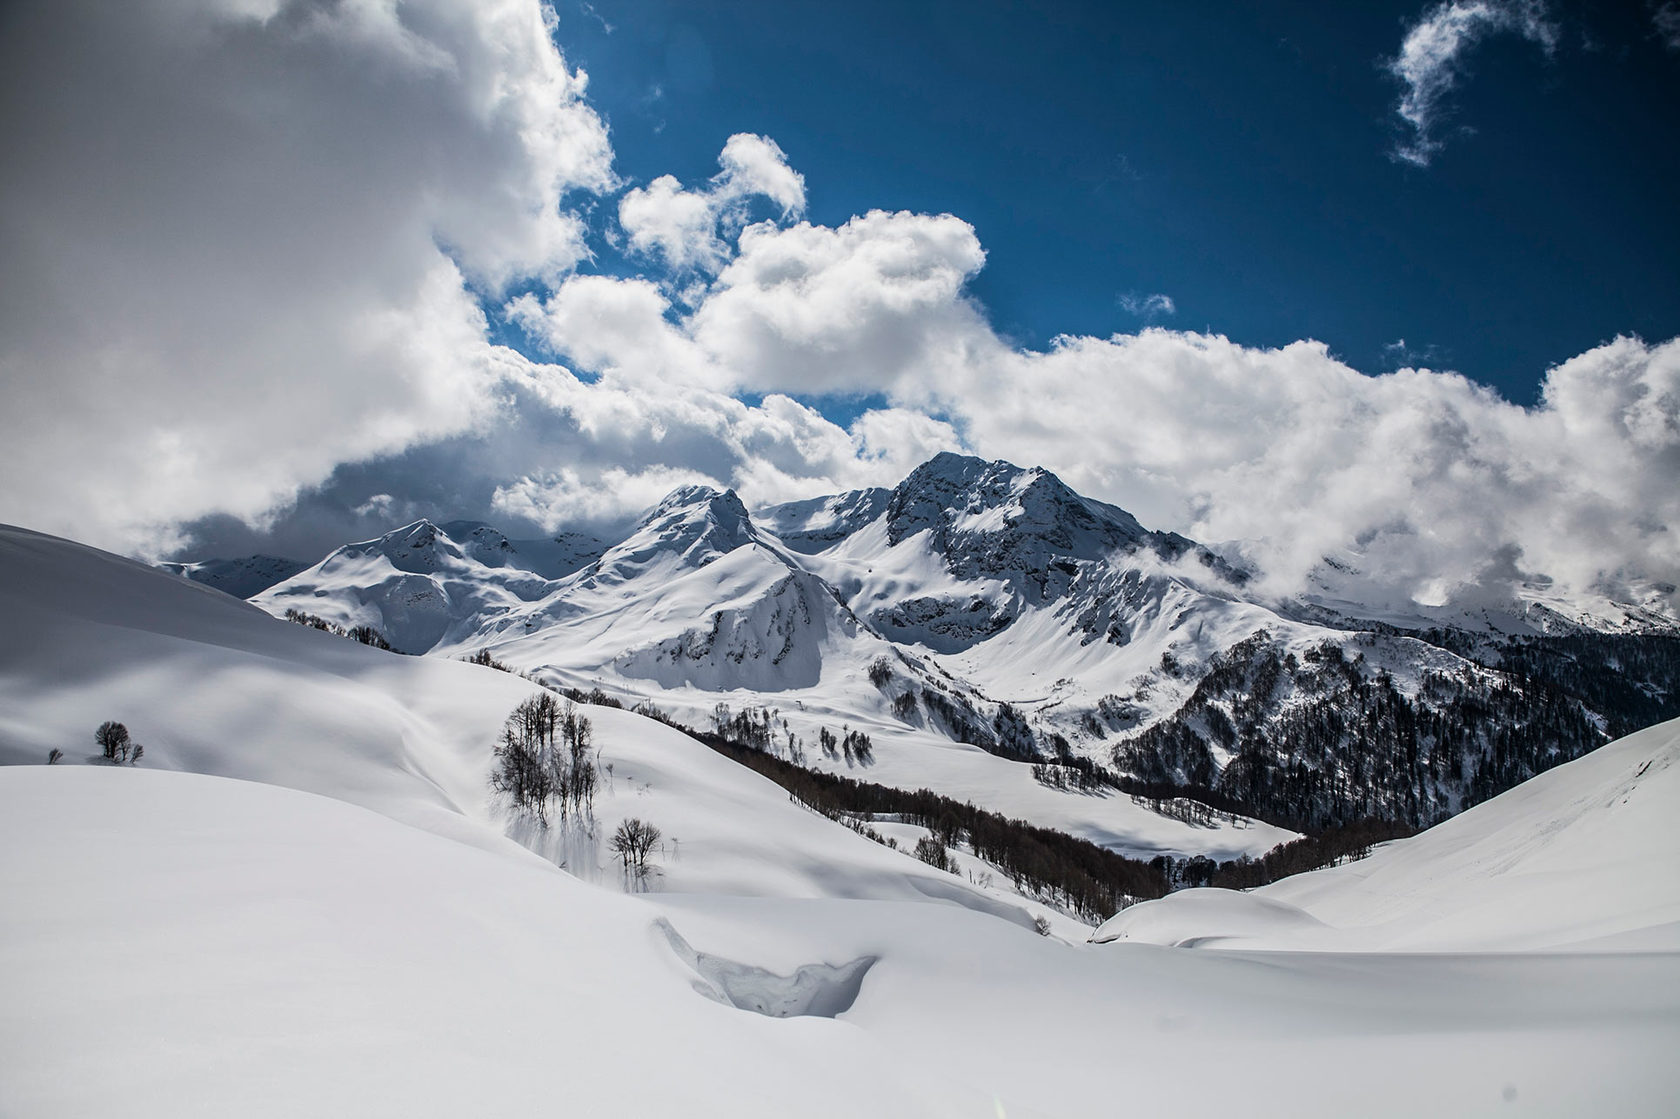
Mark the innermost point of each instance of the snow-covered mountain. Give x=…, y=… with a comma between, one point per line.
x=983, y=608
x=424, y=584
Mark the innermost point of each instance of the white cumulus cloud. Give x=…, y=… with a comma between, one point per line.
x=681, y=227
x=241, y=239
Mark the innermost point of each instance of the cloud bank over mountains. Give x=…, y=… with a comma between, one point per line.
x=256, y=250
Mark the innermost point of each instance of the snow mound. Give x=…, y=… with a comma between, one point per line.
x=1205, y=917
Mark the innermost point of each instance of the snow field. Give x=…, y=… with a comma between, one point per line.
x=347, y=929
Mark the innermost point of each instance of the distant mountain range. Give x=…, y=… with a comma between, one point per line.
x=989, y=605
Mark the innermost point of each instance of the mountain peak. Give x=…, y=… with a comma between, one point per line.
x=725, y=502
x=962, y=496
x=421, y=547
x=412, y=547
x=697, y=522
x=417, y=534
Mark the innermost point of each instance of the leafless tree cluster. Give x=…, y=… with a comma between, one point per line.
x=115, y=743
x=546, y=760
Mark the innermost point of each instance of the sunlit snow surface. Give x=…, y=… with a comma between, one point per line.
x=348, y=930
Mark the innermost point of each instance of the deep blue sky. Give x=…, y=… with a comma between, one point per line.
x=1233, y=157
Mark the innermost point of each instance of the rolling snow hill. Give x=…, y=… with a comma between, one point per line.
x=182, y=945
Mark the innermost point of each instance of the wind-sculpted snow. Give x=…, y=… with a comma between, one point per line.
x=813, y=990
x=176, y=945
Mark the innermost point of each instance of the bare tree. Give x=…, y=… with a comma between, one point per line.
x=54, y=756
x=632, y=842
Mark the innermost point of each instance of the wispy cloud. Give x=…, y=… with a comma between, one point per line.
x=1432, y=60
x=589, y=10
x=1399, y=354
x=1666, y=19
x=1148, y=307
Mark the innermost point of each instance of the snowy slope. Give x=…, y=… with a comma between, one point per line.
x=697, y=595
x=177, y=943
x=1584, y=856
x=211, y=685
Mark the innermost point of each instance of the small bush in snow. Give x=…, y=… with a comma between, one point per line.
x=483, y=659
x=933, y=853
x=115, y=744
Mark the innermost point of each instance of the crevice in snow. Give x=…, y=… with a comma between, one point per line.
x=814, y=990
